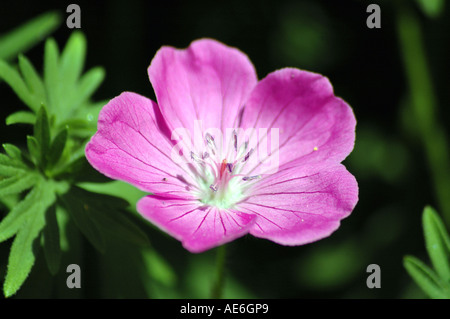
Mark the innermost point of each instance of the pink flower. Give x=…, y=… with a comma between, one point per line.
x=208, y=188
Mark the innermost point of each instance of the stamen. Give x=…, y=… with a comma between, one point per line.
x=248, y=155
x=250, y=178
x=213, y=187
x=205, y=155
x=210, y=142
x=230, y=167
x=235, y=140
x=196, y=158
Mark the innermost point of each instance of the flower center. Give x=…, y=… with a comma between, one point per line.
x=220, y=180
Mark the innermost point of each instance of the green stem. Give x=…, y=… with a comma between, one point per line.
x=217, y=288
x=424, y=105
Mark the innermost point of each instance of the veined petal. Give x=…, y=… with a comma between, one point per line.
x=129, y=145
x=208, y=82
x=198, y=227
x=310, y=120
x=296, y=209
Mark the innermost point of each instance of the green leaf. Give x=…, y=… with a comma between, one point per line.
x=72, y=59
x=88, y=84
x=426, y=278
x=13, y=151
x=17, y=183
x=30, y=219
x=57, y=147
x=432, y=8
x=15, y=218
x=15, y=81
x=42, y=193
x=33, y=149
x=22, y=117
x=22, y=255
x=23, y=37
x=10, y=166
x=80, y=213
x=51, y=75
x=16, y=154
x=437, y=242
x=33, y=81
x=42, y=132
x=52, y=248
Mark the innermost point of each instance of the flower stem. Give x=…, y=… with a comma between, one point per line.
x=424, y=106
x=217, y=288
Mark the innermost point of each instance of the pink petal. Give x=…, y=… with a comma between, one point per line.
x=198, y=227
x=208, y=81
x=312, y=122
x=295, y=209
x=130, y=146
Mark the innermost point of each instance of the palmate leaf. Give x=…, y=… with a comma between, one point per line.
x=26, y=35
x=63, y=89
x=67, y=88
x=27, y=221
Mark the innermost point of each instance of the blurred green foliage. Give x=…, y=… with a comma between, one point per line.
x=367, y=68
x=22, y=38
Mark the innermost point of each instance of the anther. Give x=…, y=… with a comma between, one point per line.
x=210, y=141
x=248, y=155
x=251, y=178
x=195, y=157
x=235, y=140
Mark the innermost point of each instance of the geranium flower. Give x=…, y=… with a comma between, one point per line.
x=224, y=155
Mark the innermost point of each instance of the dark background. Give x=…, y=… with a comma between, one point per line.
x=329, y=37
